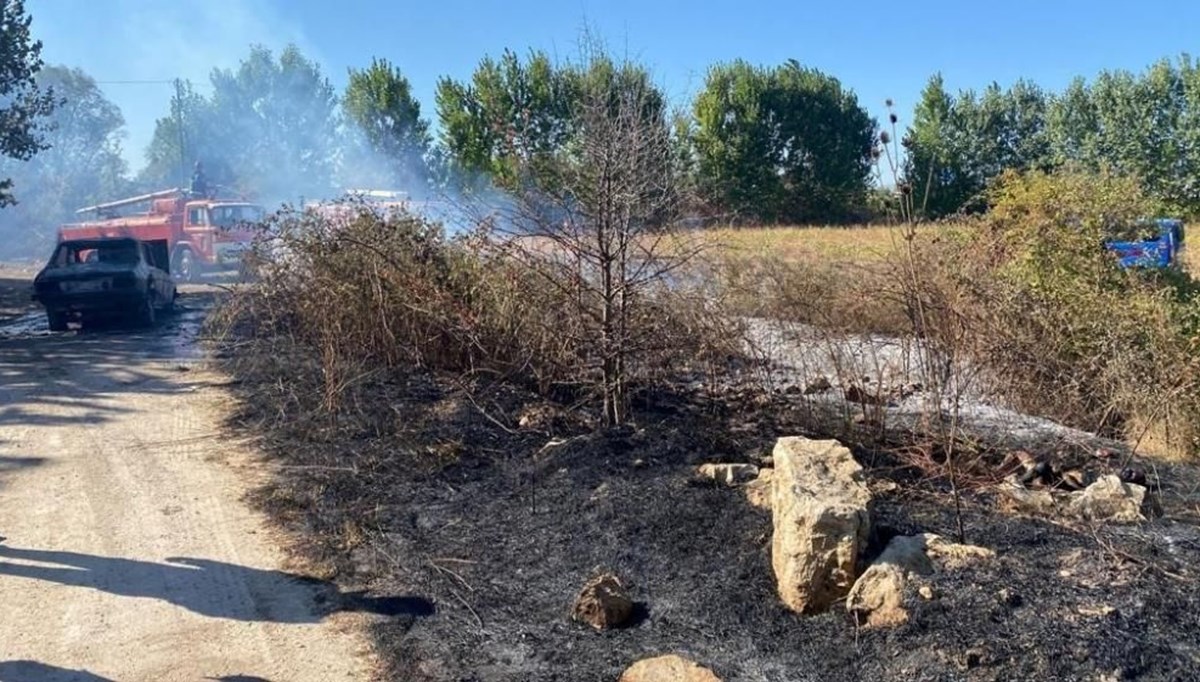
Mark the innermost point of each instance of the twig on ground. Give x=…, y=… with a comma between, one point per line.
x=1145, y=563
x=443, y=569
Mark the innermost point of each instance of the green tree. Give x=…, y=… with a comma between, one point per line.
x=782, y=144
x=934, y=166
x=512, y=115
x=1072, y=126
x=387, y=136
x=958, y=144
x=81, y=165
x=188, y=134
x=1146, y=124
x=24, y=106
x=269, y=129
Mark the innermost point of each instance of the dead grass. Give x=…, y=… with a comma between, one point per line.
x=851, y=244
x=1191, y=259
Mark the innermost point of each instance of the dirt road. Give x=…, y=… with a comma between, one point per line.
x=128, y=554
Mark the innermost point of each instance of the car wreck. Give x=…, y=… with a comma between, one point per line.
x=92, y=280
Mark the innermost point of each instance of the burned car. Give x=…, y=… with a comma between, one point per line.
x=102, y=279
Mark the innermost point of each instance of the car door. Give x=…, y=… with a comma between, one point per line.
x=155, y=275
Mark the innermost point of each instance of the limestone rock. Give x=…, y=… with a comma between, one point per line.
x=908, y=553
x=1022, y=499
x=667, y=669
x=879, y=593
x=729, y=474
x=758, y=491
x=603, y=603
x=952, y=554
x=1110, y=499
x=821, y=513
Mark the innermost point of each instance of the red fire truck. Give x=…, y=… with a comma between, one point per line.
x=203, y=234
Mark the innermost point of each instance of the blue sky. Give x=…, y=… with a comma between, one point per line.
x=880, y=50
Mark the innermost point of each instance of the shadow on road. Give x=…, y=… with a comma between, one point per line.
x=15, y=296
x=32, y=671
x=8, y=464
x=209, y=588
x=76, y=378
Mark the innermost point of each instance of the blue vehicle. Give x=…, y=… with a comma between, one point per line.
x=1158, y=253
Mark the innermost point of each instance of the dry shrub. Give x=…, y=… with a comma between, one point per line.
x=1030, y=296
x=368, y=291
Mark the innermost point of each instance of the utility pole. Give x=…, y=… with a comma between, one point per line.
x=183, y=178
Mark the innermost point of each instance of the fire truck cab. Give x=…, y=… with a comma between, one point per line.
x=203, y=234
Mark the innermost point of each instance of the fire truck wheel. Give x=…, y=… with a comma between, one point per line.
x=185, y=266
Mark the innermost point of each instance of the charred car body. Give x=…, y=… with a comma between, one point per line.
x=102, y=279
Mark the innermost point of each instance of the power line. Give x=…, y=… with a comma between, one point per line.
x=134, y=82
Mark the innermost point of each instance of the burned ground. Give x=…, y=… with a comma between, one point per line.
x=431, y=490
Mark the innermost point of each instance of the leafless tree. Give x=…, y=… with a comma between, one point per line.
x=599, y=225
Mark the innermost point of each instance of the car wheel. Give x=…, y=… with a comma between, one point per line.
x=56, y=321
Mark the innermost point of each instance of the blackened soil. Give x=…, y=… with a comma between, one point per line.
x=420, y=490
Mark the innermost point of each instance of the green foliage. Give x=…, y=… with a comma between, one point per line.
x=387, y=134
x=786, y=144
x=82, y=164
x=269, y=128
x=1145, y=124
x=1032, y=296
x=957, y=144
x=23, y=103
x=518, y=123
x=512, y=114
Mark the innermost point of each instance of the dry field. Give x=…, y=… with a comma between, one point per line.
x=861, y=244
x=856, y=243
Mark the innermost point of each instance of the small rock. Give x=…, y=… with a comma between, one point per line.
x=908, y=553
x=878, y=594
x=1110, y=499
x=667, y=669
x=926, y=592
x=1009, y=598
x=729, y=474
x=603, y=603
x=952, y=554
x=1022, y=499
x=818, y=385
x=758, y=491
x=1101, y=611
x=639, y=463
x=600, y=492
x=854, y=394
